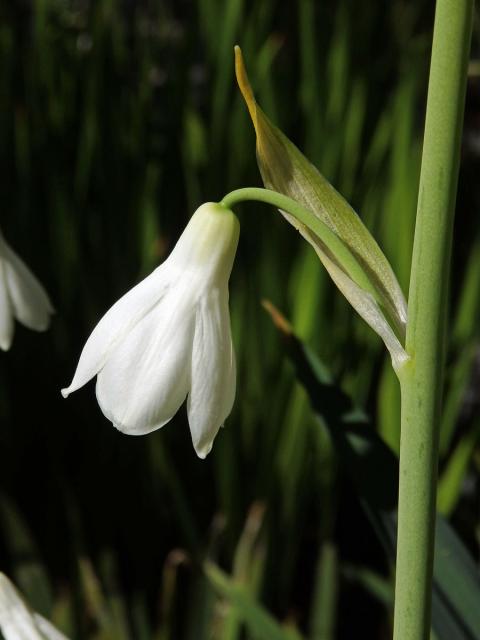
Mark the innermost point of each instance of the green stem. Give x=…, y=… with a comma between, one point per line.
x=421, y=378
x=278, y=200
x=333, y=245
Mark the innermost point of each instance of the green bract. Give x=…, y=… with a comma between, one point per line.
x=371, y=288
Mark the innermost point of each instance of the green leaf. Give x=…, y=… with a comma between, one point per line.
x=260, y=623
x=451, y=480
x=324, y=607
x=247, y=570
x=29, y=573
x=456, y=587
x=377, y=585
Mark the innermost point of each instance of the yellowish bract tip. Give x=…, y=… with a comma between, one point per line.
x=245, y=86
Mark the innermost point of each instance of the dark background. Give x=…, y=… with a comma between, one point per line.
x=118, y=119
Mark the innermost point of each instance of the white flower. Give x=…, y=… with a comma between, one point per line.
x=170, y=336
x=17, y=621
x=22, y=297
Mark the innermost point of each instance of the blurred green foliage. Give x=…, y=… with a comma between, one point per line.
x=118, y=119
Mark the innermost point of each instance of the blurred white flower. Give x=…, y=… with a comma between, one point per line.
x=22, y=297
x=170, y=336
x=17, y=621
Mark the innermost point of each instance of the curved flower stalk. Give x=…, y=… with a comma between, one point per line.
x=22, y=297
x=169, y=337
x=17, y=621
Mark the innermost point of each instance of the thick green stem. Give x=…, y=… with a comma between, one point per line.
x=421, y=378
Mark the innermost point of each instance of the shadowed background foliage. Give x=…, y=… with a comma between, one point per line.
x=118, y=119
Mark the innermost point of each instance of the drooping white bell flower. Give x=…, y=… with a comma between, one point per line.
x=169, y=337
x=22, y=297
x=18, y=621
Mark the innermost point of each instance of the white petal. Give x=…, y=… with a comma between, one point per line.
x=16, y=620
x=146, y=377
x=6, y=312
x=213, y=376
x=30, y=302
x=117, y=322
x=49, y=632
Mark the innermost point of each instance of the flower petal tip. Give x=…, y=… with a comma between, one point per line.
x=203, y=451
x=44, y=326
